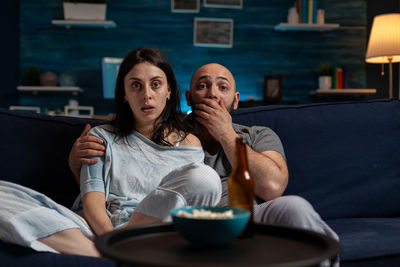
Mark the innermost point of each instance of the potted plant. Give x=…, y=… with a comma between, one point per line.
x=32, y=74
x=85, y=9
x=324, y=72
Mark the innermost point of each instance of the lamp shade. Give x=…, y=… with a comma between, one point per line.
x=384, y=40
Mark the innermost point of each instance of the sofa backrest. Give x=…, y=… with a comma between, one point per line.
x=342, y=157
x=34, y=152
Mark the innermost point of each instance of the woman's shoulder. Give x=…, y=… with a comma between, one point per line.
x=190, y=140
x=103, y=131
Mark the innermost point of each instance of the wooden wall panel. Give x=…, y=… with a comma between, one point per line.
x=258, y=49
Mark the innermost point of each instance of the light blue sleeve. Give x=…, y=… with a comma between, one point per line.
x=92, y=176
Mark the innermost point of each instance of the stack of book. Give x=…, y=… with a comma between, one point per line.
x=337, y=78
x=307, y=10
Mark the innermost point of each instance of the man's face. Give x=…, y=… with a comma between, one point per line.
x=216, y=82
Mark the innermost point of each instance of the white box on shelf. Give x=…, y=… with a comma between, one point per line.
x=84, y=11
x=71, y=111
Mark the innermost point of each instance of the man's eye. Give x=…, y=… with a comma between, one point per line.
x=224, y=88
x=202, y=86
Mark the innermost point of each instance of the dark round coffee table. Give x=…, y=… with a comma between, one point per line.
x=269, y=245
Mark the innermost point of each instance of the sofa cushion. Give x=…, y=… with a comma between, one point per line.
x=367, y=237
x=342, y=157
x=35, y=151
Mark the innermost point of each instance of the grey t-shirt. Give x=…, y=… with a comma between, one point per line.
x=257, y=137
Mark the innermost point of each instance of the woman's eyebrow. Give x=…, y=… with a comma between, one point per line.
x=138, y=79
x=156, y=77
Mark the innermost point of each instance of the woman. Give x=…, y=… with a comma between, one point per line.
x=151, y=165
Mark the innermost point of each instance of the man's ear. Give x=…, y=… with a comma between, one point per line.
x=236, y=100
x=187, y=96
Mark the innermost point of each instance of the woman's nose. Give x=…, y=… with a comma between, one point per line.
x=147, y=93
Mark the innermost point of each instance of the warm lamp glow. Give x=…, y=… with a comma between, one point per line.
x=384, y=40
x=384, y=43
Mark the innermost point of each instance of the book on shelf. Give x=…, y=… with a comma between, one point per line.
x=314, y=12
x=339, y=77
x=304, y=8
x=299, y=9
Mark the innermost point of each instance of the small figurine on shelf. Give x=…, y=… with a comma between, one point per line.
x=320, y=16
x=293, y=16
x=67, y=79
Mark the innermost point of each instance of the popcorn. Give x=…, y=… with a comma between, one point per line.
x=206, y=214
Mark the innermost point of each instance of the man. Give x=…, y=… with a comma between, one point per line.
x=213, y=96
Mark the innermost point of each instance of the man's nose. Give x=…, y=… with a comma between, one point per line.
x=212, y=93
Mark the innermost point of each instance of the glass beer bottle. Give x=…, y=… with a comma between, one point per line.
x=240, y=182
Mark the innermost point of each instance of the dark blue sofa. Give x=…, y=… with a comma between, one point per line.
x=343, y=157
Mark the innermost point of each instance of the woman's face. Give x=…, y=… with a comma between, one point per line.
x=146, y=91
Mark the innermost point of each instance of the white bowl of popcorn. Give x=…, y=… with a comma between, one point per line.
x=210, y=226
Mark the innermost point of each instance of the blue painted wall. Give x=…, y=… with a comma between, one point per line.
x=258, y=49
x=9, y=69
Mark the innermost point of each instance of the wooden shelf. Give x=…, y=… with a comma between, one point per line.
x=35, y=89
x=305, y=27
x=345, y=91
x=106, y=24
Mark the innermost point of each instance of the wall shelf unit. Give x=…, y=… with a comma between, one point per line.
x=306, y=27
x=345, y=91
x=36, y=89
x=106, y=24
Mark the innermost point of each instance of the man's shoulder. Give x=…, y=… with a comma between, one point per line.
x=243, y=129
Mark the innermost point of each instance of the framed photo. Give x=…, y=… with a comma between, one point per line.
x=272, y=88
x=109, y=72
x=185, y=6
x=223, y=3
x=213, y=32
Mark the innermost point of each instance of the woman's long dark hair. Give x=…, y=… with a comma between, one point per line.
x=169, y=120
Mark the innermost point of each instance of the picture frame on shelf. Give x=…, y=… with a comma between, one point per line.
x=273, y=88
x=213, y=32
x=185, y=6
x=109, y=72
x=223, y=3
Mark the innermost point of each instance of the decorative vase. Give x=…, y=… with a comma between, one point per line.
x=48, y=79
x=325, y=82
x=84, y=11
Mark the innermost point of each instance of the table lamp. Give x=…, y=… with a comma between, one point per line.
x=384, y=43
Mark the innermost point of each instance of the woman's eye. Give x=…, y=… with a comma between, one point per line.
x=156, y=84
x=136, y=85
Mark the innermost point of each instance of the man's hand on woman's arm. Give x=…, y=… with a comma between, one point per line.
x=84, y=147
